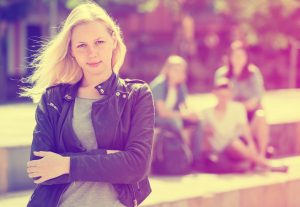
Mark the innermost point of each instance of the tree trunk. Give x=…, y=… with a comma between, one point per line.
x=293, y=63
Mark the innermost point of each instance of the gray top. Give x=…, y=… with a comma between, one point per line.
x=245, y=89
x=81, y=193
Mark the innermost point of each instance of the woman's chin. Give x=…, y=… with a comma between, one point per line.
x=96, y=71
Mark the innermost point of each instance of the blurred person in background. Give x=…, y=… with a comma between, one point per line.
x=248, y=88
x=170, y=92
x=93, y=136
x=228, y=143
x=227, y=136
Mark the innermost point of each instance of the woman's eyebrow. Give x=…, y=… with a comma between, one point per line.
x=98, y=38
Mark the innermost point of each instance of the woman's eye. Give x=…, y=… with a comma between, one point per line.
x=99, y=42
x=81, y=45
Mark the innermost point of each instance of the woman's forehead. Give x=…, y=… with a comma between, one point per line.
x=177, y=67
x=87, y=31
x=239, y=51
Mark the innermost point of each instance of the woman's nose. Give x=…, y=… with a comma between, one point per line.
x=92, y=51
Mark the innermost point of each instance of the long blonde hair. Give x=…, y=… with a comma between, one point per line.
x=54, y=64
x=171, y=61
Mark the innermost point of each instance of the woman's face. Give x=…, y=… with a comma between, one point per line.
x=176, y=73
x=238, y=59
x=223, y=94
x=92, y=46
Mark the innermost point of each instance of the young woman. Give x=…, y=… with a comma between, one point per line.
x=93, y=136
x=169, y=92
x=248, y=88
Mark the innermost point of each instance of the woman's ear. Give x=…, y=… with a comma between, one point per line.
x=113, y=35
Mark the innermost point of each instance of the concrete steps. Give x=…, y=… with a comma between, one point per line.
x=244, y=190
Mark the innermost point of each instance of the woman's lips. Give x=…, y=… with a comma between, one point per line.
x=94, y=64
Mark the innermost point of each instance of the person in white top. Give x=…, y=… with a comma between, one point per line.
x=227, y=133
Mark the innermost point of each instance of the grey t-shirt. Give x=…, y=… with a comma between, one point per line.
x=245, y=89
x=81, y=193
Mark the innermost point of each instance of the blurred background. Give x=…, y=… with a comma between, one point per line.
x=199, y=30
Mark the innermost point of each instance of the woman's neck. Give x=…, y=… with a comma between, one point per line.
x=221, y=106
x=93, y=80
x=172, y=84
x=235, y=73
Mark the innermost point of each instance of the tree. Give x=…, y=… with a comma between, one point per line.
x=270, y=24
x=120, y=7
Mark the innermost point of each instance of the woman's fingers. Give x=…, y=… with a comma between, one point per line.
x=112, y=151
x=33, y=172
x=40, y=180
x=32, y=169
x=33, y=163
x=41, y=153
x=34, y=175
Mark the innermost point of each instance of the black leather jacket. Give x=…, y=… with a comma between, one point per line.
x=123, y=120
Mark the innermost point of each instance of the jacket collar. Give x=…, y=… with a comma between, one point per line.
x=105, y=88
x=108, y=86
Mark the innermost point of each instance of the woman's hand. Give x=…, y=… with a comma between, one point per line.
x=51, y=165
x=187, y=114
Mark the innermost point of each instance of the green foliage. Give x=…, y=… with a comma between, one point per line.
x=270, y=22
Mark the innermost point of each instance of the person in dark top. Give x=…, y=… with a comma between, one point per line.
x=93, y=136
x=170, y=93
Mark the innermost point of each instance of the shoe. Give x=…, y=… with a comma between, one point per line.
x=282, y=169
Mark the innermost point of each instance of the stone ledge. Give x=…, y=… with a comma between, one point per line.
x=233, y=190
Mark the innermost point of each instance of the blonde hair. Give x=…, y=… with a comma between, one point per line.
x=171, y=61
x=54, y=64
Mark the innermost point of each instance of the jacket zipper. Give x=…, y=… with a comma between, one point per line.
x=135, y=203
x=138, y=186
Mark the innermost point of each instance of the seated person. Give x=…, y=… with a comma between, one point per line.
x=169, y=92
x=248, y=89
x=228, y=140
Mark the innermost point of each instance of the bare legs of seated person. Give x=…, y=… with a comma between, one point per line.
x=260, y=131
x=239, y=151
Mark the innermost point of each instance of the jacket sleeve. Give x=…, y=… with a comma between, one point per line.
x=130, y=165
x=43, y=133
x=43, y=137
